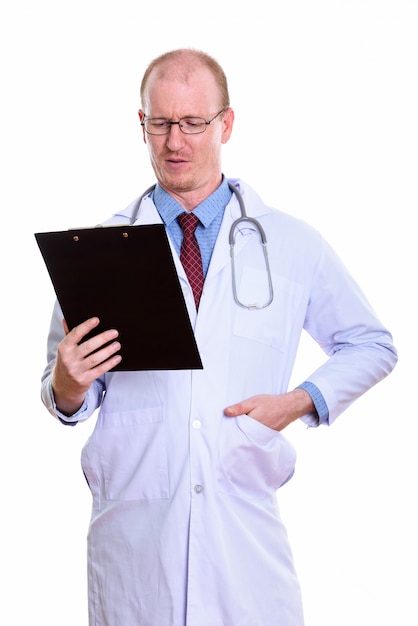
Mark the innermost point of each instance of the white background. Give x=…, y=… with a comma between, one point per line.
x=337, y=81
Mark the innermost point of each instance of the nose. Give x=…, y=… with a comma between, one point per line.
x=175, y=138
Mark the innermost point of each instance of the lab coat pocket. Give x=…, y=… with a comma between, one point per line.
x=272, y=325
x=254, y=460
x=126, y=456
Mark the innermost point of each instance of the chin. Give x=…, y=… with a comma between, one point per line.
x=178, y=183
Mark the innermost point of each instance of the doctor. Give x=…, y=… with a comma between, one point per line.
x=184, y=466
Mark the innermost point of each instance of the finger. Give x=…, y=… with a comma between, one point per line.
x=92, y=360
x=101, y=362
x=107, y=365
x=98, y=342
x=83, y=329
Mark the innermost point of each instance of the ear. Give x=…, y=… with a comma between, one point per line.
x=228, y=122
x=141, y=116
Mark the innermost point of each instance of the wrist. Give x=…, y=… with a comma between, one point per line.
x=302, y=402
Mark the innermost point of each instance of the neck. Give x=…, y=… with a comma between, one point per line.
x=190, y=199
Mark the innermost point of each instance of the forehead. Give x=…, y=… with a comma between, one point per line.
x=185, y=90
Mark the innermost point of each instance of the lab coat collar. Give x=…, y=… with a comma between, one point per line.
x=254, y=206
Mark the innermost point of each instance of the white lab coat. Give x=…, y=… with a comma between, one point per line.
x=185, y=527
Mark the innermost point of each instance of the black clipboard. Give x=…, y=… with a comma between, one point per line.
x=126, y=276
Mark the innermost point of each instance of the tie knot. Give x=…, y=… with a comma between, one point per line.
x=188, y=222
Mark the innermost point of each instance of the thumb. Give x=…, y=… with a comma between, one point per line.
x=238, y=409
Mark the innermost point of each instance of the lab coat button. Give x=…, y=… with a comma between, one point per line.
x=196, y=423
x=198, y=488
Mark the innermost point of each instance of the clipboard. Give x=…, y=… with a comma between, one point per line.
x=126, y=276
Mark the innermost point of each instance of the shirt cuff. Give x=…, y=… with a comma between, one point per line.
x=319, y=403
x=68, y=420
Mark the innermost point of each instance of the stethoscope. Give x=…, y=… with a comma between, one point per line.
x=243, y=218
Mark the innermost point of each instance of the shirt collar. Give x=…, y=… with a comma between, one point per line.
x=206, y=211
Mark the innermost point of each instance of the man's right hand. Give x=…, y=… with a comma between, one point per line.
x=78, y=364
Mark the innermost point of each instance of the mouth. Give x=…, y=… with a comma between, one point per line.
x=176, y=163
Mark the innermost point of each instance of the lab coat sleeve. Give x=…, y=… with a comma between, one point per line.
x=340, y=319
x=95, y=393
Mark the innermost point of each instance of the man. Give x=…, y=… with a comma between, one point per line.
x=184, y=466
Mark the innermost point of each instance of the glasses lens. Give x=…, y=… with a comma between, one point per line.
x=192, y=125
x=157, y=126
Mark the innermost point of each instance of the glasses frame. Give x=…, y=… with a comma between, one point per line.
x=207, y=123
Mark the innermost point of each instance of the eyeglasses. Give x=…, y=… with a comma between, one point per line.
x=187, y=125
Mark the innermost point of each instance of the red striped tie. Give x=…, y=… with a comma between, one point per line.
x=190, y=254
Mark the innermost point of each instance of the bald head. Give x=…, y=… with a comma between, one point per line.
x=182, y=65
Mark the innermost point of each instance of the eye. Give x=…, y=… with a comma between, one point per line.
x=192, y=122
x=158, y=122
